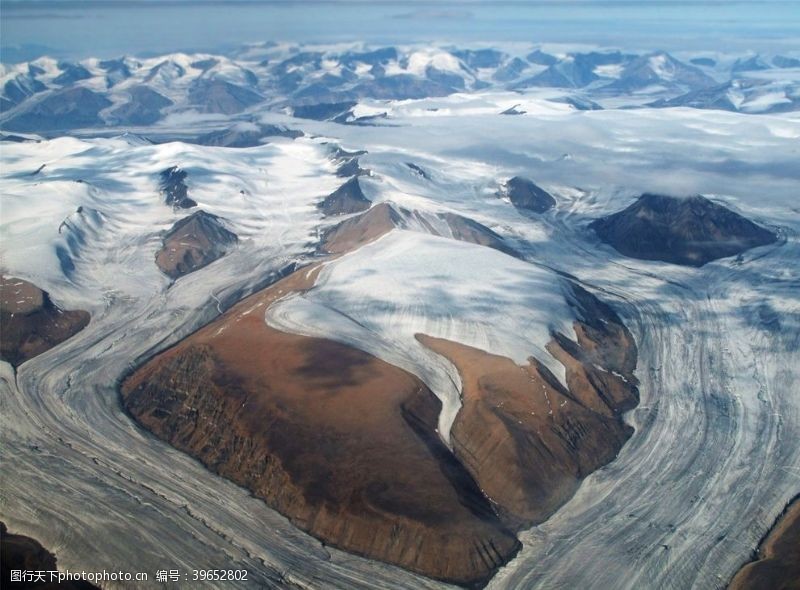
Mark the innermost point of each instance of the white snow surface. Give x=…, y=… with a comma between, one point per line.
x=409, y=283
x=716, y=452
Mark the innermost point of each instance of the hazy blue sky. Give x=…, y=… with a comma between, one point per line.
x=108, y=28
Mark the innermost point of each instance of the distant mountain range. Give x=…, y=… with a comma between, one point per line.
x=49, y=96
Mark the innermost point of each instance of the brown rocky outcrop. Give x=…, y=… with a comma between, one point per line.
x=528, y=440
x=192, y=243
x=342, y=443
x=345, y=445
x=777, y=563
x=30, y=323
x=690, y=231
x=348, y=198
x=465, y=229
x=527, y=196
x=362, y=229
x=382, y=218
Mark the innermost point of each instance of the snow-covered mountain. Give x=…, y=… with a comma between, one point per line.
x=47, y=96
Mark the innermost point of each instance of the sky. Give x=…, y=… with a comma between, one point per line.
x=109, y=28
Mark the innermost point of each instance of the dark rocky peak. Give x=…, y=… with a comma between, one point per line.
x=781, y=61
x=218, y=96
x=348, y=162
x=380, y=56
x=348, y=198
x=167, y=68
x=18, y=552
x=749, y=64
x=408, y=86
x=713, y=97
x=660, y=68
x=580, y=103
x=418, y=170
x=205, y=64
x=305, y=60
x=511, y=70
x=572, y=72
x=602, y=58
x=515, y=110
x=70, y=108
x=690, y=231
x=244, y=136
x=356, y=231
x=192, y=243
x=71, y=73
x=540, y=58
x=323, y=111
x=524, y=194
x=116, y=70
x=480, y=58
x=12, y=138
x=19, y=88
x=143, y=107
x=174, y=189
x=448, y=79
x=30, y=323
x=349, y=168
x=465, y=229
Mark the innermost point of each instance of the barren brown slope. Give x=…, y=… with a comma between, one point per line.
x=339, y=441
x=30, y=323
x=465, y=229
x=192, y=243
x=526, y=439
x=778, y=563
x=362, y=229
x=382, y=218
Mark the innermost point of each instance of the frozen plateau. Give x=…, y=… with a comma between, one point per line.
x=402, y=317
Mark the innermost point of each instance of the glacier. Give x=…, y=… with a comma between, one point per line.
x=719, y=419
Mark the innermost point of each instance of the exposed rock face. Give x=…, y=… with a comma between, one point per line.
x=659, y=68
x=348, y=162
x=778, y=564
x=465, y=229
x=382, y=218
x=30, y=323
x=175, y=190
x=527, y=439
x=418, y=170
x=339, y=441
x=245, y=137
x=357, y=231
x=18, y=552
x=217, y=96
x=193, y=242
x=690, y=231
x=71, y=73
x=348, y=198
x=143, y=108
x=524, y=194
x=64, y=109
x=513, y=111
x=322, y=111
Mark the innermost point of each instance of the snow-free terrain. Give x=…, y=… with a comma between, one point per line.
x=716, y=452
